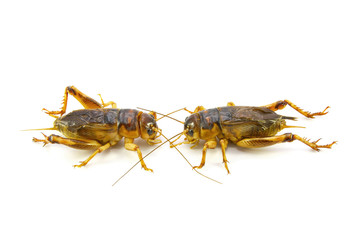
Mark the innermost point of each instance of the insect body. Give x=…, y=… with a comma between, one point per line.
x=97, y=127
x=249, y=127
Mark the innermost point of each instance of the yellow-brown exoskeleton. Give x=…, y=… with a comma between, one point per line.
x=97, y=127
x=248, y=127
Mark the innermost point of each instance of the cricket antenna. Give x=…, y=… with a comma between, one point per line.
x=165, y=115
x=38, y=129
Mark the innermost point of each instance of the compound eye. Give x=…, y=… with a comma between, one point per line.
x=150, y=132
x=149, y=129
x=190, y=132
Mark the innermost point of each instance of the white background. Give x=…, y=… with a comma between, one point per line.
x=165, y=55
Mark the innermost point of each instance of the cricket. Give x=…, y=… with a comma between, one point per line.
x=247, y=127
x=97, y=127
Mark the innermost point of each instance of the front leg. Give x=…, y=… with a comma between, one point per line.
x=208, y=144
x=131, y=146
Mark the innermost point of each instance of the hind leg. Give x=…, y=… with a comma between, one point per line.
x=283, y=103
x=287, y=137
x=86, y=101
x=113, y=104
x=197, y=109
x=75, y=143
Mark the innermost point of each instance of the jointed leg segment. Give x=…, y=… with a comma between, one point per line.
x=282, y=103
x=113, y=104
x=99, y=150
x=260, y=142
x=209, y=144
x=91, y=144
x=75, y=143
x=223, y=144
x=131, y=146
x=287, y=137
x=86, y=101
x=197, y=109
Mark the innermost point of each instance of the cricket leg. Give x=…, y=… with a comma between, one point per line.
x=283, y=103
x=86, y=101
x=197, y=109
x=230, y=104
x=99, y=150
x=75, y=143
x=224, y=143
x=208, y=144
x=287, y=137
x=131, y=146
x=113, y=104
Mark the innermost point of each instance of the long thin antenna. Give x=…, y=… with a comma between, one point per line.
x=171, y=113
x=142, y=159
x=38, y=129
x=164, y=115
x=286, y=126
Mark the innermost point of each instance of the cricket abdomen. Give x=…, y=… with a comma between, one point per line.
x=95, y=124
x=238, y=122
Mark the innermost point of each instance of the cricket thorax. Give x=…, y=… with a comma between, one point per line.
x=128, y=123
x=210, y=126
